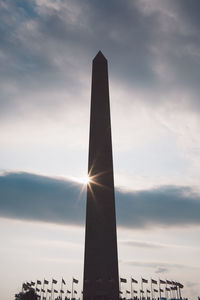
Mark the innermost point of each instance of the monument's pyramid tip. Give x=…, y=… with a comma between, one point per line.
x=100, y=56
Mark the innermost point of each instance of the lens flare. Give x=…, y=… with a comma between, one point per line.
x=84, y=180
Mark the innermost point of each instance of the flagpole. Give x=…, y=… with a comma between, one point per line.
x=61, y=287
x=131, y=289
x=42, y=290
x=142, y=288
x=36, y=287
x=51, y=288
x=173, y=293
x=159, y=289
x=72, y=288
x=177, y=291
x=180, y=292
x=119, y=286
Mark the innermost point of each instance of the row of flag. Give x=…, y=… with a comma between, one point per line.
x=148, y=291
x=170, y=286
x=160, y=281
x=39, y=282
x=34, y=286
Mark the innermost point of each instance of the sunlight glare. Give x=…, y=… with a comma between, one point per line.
x=84, y=180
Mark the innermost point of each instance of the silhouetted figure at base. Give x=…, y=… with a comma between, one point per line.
x=30, y=295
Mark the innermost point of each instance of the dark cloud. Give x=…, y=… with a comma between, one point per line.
x=45, y=45
x=167, y=206
x=33, y=197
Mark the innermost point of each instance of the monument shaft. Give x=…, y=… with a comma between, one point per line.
x=101, y=279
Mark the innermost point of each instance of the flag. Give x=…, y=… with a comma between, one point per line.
x=167, y=289
x=123, y=280
x=155, y=290
x=55, y=291
x=63, y=281
x=32, y=283
x=141, y=291
x=49, y=291
x=154, y=281
x=24, y=286
x=148, y=291
x=168, y=282
x=75, y=292
x=54, y=281
x=37, y=290
x=135, y=292
x=120, y=292
x=68, y=292
x=162, y=282
x=46, y=281
x=42, y=290
x=62, y=292
x=180, y=285
x=173, y=282
x=39, y=282
x=75, y=280
x=133, y=280
x=161, y=290
x=127, y=292
x=144, y=280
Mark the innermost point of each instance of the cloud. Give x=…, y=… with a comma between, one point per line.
x=160, y=267
x=140, y=244
x=191, y=284
x=35, y=197
x=161, y=270
x=48, y=45
x=45, y=56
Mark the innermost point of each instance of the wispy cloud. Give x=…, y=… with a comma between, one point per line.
x=159, y=267
x=141, y=244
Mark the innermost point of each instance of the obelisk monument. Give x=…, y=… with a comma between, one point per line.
x=101, y=278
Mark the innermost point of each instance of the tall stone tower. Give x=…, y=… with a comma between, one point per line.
x=101, y=278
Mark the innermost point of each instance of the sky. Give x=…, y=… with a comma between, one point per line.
x=46, y=52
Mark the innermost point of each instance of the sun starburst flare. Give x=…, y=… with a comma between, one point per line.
x=83, y=180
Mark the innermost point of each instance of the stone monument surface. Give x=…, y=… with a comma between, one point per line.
x=101, y=278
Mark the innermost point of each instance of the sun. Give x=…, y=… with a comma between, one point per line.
x=84, y=180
